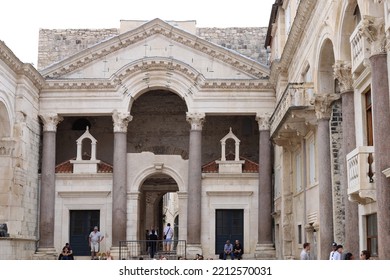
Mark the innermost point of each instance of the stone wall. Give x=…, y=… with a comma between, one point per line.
x=336, y=138
x=58, y=44
x=247, y=41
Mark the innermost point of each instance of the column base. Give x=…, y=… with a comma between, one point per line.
x=265, y=252
x=45, y=254
x=192, y=250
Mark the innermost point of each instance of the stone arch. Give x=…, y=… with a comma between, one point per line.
x=150, y=171
x=161, y=73
x=347, y=26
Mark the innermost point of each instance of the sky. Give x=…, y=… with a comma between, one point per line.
x=21, y=19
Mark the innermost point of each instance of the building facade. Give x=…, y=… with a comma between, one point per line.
x=329, y=68
x=141, y=118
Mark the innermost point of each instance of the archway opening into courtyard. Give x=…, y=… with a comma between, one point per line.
x=159, y=205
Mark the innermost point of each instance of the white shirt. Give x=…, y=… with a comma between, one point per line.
x=169, y=233
x=336, y=256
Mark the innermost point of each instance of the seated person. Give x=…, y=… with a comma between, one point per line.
x=228, y=250
x=237, y=250
x=66, y=253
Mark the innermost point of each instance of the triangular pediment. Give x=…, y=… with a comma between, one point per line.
x=156, y=43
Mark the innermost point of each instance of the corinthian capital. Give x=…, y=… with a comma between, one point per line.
x=342, y=72
x=196, y=120
x=50, y=121
x=263, y=121
x=121, y=120
x=374, y=30
x=322, y=104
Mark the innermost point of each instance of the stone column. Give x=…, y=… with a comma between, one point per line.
x=47, y=193
x=342, y=71
x=265, y=247
x=381, y=123
x=119, y=186
x=195, y=181
x=323, y=112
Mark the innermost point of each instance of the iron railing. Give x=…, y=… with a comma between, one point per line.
x=142, y=249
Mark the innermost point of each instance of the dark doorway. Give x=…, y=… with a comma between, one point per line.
x=81, y=224
x=229, y=225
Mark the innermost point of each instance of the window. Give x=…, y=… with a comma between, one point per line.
x=312, y=161
x=369, y=129
x=298, y=172
x=300, y=234
x=372, y=234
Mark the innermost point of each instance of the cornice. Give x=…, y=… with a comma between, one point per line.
x=304, y=12
x=152, y=28
x=20, y=68
x=149, y=66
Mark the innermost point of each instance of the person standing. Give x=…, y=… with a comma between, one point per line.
x=95, y=237
x=152, y=243
x=305, y=253
x=168, y=235
x=334, y=248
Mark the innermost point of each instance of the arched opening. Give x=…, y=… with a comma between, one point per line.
x=158, y=207
x=326, y=79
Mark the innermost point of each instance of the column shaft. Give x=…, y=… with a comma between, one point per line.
x=325, y=188
x=47, y=194
x=349, y=143
x=381, y=123
x=194, y=187
x=119, y=189
x=265, y=187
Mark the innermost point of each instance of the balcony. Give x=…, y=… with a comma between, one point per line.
x=360, y=44
x=361, y=177
x=293, y=111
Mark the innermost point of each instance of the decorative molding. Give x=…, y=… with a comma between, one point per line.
x=157, y=64
x=196, y=120
x=342, y=71
x=50, y=121
x=20, y=68
x=121, y=120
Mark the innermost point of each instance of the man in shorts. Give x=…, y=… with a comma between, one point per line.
x=95, y=237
